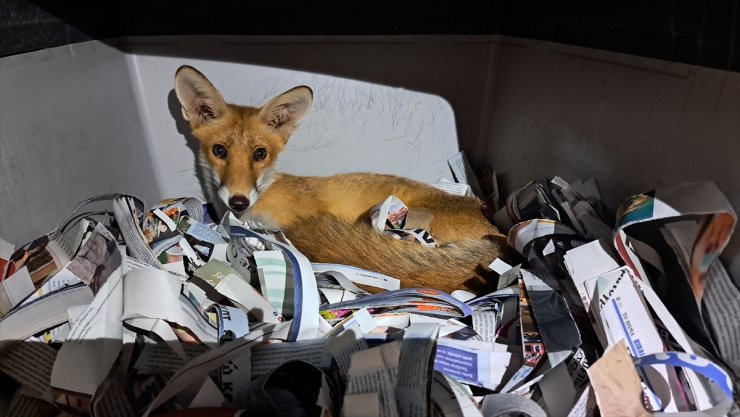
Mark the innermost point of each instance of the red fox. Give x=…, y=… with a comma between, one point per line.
x=328, y=218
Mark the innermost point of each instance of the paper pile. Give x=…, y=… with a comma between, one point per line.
x=128, y=311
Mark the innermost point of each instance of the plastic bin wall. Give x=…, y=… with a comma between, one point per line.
x=100, y=116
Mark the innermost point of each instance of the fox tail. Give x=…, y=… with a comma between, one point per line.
x=454, y=265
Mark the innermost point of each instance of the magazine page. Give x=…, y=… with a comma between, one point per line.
x=672, y=238
x=127, y=210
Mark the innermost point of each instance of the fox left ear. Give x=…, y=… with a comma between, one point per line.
x=285, y=112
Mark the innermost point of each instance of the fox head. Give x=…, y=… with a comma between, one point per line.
x=240, y=144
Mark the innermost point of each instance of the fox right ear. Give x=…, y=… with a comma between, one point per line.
x=200, y=100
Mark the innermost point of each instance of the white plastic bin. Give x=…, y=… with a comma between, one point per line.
x=101, y=116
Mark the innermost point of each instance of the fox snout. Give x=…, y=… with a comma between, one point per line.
x=238, y=203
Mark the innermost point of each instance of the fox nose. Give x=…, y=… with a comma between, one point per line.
x=239, y=203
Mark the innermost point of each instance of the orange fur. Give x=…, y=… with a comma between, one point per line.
x=327, y=218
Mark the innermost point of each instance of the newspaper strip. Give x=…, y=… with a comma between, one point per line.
x=239, y=254
x=200, y=231
x=22, y=405
x=342, y=347
x=208, y=396
x=722, y=296
x=413, y=235
x=335, y=287
x=269, y=356
x=579, y=209
x=291, y=386
x=480, y=368
x=624, y=316
x=423, y=300
x=451, y=399
x=703, y=203
x=359, y=276
x=522, y=234
x=415, y=370
x=490, y=189
x=111, y=400
x=557, y=328
x=533, y=350
x=227, y=281
x=126, y=210
x=199, y=367
x=723, y=311
x=454, y=188
x=305, y=322
x=236, y=372
x=393, y=218
x=155, y=294
x=700, y=366
x=558, y=393
x=362, y=405
x=43, y=313
x=160, y=224
x=510, y=404
x=374, y=371
x=587, y=262
x=155, y=357
x=97, y=258
x=390, y=214
x=15, y=289
x=93, y=344
x=276, y=280
x=702, y=394
x=585, y=406
x=37, y=261
x=30, y=364
x=463, y=173
x=532, y=201
x=488, y=317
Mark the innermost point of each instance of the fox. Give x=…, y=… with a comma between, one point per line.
x=328, y=218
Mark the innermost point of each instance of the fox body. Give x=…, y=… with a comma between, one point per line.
x=327, y=218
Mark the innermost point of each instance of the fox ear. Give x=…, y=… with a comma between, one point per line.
x=200, y=100
x=285, y=112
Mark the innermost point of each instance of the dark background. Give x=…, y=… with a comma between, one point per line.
x=693, y=32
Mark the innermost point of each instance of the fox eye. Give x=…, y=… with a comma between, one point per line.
x=260, y=154
x=220, y=151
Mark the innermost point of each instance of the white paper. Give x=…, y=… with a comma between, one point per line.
x=14, y=289
x=462, y=172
